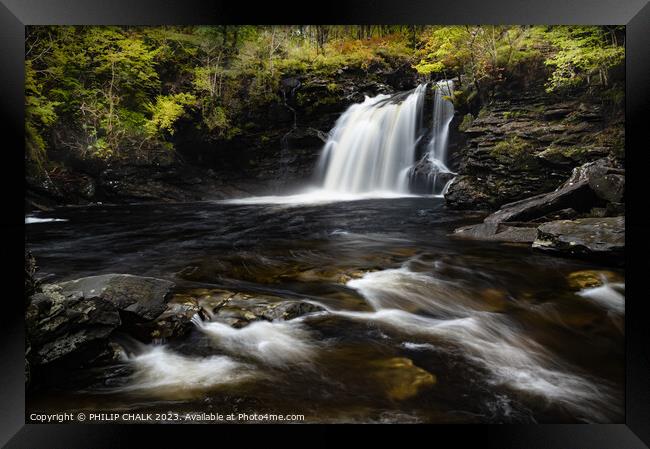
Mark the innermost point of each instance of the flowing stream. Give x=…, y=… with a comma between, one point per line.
x=415, y=326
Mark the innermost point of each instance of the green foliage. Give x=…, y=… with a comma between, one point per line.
x=585, y=54
x=466, y=123
x=166, y=110
x=118, y=92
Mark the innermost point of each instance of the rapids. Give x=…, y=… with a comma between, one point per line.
x=414, y=326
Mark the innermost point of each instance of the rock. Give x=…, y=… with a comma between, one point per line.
x=498, y=232
x=30, y=270
x=598, y=237
x=400, y=378
x=72, y=324
x=61, y=324
x=591, y=278
x=584, y=193
x=465, y=193
x=289, y=310
x=144, y=297
x=606, y=181
x=238, y=309
x=427, y=177
x=175, y=321
x=521, y=145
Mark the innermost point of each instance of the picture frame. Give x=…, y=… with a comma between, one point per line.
x=634, y=14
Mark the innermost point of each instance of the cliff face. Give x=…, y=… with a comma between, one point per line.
x=526, y=144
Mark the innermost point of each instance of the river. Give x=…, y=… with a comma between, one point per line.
x=417, y=326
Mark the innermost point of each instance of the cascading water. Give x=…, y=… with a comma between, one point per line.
x=372, y=145
x=431, y=174
x=443, y=113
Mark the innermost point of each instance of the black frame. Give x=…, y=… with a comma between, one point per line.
x=635, y=14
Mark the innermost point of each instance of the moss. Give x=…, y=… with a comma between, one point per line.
x=515, y=151
x=509, y=115
x=467, y=121
x=332, y=87
x=560, y=153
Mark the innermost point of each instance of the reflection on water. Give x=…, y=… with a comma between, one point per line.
x=413, y=326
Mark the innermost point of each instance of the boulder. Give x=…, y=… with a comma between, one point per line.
x=72, y=321
x=595, y=188
x=61, y=325
x=144, y=297
x=596, y=237
x=605, y=180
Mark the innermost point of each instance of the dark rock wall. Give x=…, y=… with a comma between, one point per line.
x=521, y=145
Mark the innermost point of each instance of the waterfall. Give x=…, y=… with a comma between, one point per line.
x=434, y=164
x=372, y=145
x=443, y=113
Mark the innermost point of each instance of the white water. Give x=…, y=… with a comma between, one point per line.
x=277, y=343
x=607, y=295
x=488, y=339
x=158, y=370
x=443, y=113
x=30, y=219
x=316, y=196
x=372, y=145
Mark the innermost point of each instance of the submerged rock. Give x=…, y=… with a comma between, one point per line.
x=599, y=237
x=401, y=378
x=592, y=278
x=238, y=309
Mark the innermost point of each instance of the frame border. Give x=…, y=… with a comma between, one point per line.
x=635, y=14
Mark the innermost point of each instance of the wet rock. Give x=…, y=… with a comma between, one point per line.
x=583, y=194
x=605, y=180
x=523, y=145
x=498, y=232
x=400, y=378
x=64, y=325
x=176, y=320
x=426, y=176
x=72, y=322
x=591, y=278
x=465, y=193
x=598, y=237
x=238, y=309
x=144, y=297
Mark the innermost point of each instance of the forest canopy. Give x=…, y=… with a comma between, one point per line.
x=110, y=93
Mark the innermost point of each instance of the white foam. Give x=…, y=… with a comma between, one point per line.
x=316, y=196
x=607, y=295
x=159, y=369
x=404, y=289
x=31, y=220
x=277, y=343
